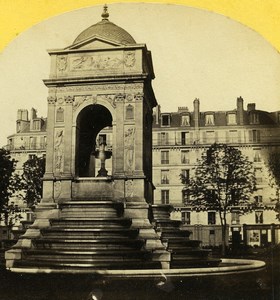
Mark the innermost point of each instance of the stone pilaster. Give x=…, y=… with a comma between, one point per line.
x=49, y=173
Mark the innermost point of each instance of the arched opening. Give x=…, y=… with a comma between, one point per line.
x=90, y=121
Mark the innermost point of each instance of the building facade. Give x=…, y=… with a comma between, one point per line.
x=179, y=139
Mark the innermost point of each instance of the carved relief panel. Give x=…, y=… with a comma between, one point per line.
x=59, y=151
x=129, y=157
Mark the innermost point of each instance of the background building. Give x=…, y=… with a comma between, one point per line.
x=179, y=139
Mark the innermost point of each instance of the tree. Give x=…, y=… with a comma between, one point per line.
x=32, y=184
x=274, y=172
x=9, y=184
x=224, y=178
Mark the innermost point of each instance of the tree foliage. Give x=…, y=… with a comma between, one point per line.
x=32, y=184
x=9, y=184
x=274, y=171
x=224, y=178
x=7, y=168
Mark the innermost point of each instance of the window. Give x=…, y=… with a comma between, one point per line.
x=209, y=119
x=231, y=118
x=32, y=142
x=129, y=114
x=235, y=219
x=233, y=136
x=211, y=218
x=210, y=137
x=185, y=176
x=185, y=196
x=254, y=118
x=257, y=156
x=165, y=120
x=164, y=176
x=60, y=115
x=163, y=138
x=185, y=120
x=259, y=217
x=165, y=196
x=183, y=138
x=165, y=157
x=31, y=156
x=254, y=136
x=184, y=157
x=36, y=124
x=258, y=174
x=259, y=198
x=186, y=217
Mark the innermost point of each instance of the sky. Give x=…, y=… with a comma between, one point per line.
x=196, y=54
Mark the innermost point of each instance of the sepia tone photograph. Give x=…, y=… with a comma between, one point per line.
x=140, y=157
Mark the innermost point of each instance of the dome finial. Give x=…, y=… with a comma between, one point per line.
x=105, y=14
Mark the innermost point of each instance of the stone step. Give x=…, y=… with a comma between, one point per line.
x=90, y=265
x=91, y=204
x=86, y=255
x=185, y=244
x=165, y=224
x=90, y=233
x=175, y=234
x=92, y=222
x=92, y=244
x=89, y=214
x=182, y=242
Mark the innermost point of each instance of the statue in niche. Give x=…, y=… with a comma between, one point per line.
x=59, y=150
x=129, y=147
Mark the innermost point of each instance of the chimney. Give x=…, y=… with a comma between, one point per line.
x=33, y=114
x=22, y=115
x=251, y=106
x=240, y=111
x=182, y=109
x=196, y=112
x=157, y=114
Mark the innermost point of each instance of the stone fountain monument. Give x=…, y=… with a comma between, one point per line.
x=88, y=222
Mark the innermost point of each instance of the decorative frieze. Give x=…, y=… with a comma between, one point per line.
x=61, y=63
x=96, y=62
x=98, y=87
x=89, y=99
x=129, y=59
x=69, y=99
x=139, y=96
x=51, y=100
x=120, y=97
x=111, y=98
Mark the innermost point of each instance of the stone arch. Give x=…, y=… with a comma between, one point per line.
x=89, y=122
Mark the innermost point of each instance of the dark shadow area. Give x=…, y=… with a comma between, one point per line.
x=90, y=121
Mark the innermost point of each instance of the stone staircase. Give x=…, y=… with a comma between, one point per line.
x=184, y=251
x=87, y=235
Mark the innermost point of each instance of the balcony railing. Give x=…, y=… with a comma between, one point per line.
x=13, y=147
